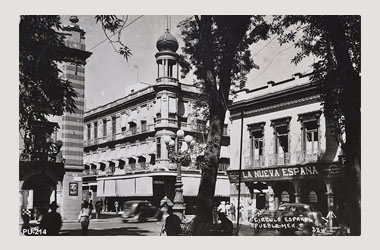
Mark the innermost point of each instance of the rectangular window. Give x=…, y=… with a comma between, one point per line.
x=113, y=125
x=158, y=143
x=104, y=128
x=133, y=128
x=281, y=148
x=310, y=144
x=310, y=148
x=257, y=144
x=143, y=126
x=88, y=131
x=282, y=139
x=95, y=130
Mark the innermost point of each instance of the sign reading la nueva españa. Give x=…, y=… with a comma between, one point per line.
x=284, y=173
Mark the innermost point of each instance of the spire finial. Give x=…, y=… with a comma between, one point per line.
x=74, y=19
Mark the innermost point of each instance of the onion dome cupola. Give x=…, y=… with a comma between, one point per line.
x=167, y=42
x=167, y=58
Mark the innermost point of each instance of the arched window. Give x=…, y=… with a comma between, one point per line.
x=313, y=196
x=285, y=196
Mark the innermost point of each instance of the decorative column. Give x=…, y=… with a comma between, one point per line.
x=330, y=202
x=297, y=193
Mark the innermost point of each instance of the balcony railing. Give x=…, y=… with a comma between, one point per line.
x=306, y=156
x=279, y=159
x=257, y=162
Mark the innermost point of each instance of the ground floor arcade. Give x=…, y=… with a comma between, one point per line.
x=152, y=186
x=319, y=185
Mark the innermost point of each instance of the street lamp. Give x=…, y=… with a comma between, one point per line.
x=175, y=155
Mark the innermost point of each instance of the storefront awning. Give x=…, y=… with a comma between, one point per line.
x=110, y=188
x=224, y=152
x=190, y=186
x=125, y=187
x=142, y=186
x=222, y=187
x=100, y=188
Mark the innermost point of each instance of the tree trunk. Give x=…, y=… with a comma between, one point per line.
x=206, y=193
x=349, y=81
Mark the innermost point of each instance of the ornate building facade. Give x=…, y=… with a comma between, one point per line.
x=289, y=153
x=125, y=155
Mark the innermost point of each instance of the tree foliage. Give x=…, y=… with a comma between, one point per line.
x=114, y=25
x=42, y=91
x=217, y=51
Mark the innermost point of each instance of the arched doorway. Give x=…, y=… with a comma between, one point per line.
x=42, y=187
x=313, y=192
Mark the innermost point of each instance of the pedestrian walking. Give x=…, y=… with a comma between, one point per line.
x=222, y=207
x=233, y=212
x=228, y=207
x=225, y=227
x=172, y=224
x=250, y=212
x=52, y=221
x=98, y=208
x=241, y=209
x=116, y=204
x=84, y=218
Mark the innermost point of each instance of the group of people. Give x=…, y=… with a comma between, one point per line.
x=50, y=222
x=231, y=211
x=172, y=226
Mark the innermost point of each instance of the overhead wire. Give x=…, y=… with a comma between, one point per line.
x=116, y=32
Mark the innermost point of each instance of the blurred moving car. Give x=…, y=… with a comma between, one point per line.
x=304, y=216
x=140, y=211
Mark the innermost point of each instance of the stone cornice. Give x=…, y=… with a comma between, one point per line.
x=272, y=106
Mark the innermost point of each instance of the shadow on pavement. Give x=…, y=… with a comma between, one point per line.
x=133, y=231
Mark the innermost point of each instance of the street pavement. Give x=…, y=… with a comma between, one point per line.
x=113, y=226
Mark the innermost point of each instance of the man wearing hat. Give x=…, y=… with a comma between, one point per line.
x=52, y=221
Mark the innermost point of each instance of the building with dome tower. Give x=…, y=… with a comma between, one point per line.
x=125, y=155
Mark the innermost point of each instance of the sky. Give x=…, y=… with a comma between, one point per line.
x=108, y=73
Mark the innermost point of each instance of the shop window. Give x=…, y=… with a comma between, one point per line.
x=313, y=197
